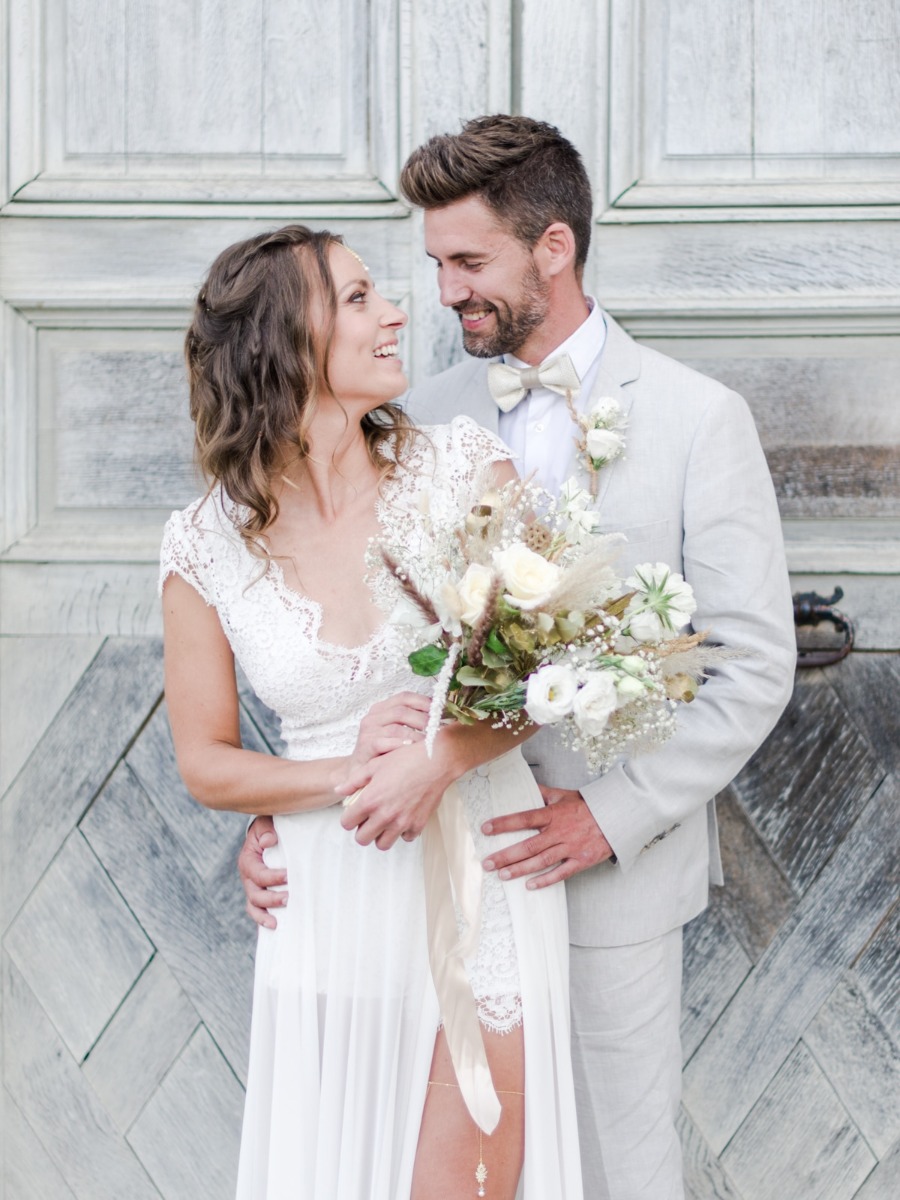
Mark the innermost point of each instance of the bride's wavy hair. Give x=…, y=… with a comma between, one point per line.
x=256, y=356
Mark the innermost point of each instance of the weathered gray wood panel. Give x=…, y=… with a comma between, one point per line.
x=126, y=972
x=29, y=1172
x=825, y=481
x=121, y=435
x=77, y=945
x=49, y=797
x=704, y=1176
x=36, y=676
x=60, y=1105
x=796, y=974
x=882, y=1183
x=188, y=1134
x=209, y=838
x=757, y=899
x=167, y=895
x=194, y=101
x=826, y=771
x=868, y=685
x=715, y=966
x=140, y=1044
x=767, y=1158
x=863, y=1064
x=790, y=1010
x=199, y=93
x=878, y=971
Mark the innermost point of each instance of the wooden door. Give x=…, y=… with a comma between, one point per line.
x=745, y=163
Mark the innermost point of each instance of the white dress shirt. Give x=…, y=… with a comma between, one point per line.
x=541, y=423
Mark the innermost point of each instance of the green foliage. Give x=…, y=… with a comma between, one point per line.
x=428, y=661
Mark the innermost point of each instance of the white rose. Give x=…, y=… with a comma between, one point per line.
x=529, y=578
x=594, y=703
x=550, y=692
x=473, y=592
x=603, y=444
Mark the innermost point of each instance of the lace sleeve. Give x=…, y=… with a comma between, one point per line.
x=470, y=448
x=181, y=554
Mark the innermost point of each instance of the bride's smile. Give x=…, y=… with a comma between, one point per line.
x=364, y=363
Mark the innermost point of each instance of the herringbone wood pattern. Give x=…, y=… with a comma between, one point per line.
x=127, y=958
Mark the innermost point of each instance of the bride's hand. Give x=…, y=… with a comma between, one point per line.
x=389, y=724
x=397, y=793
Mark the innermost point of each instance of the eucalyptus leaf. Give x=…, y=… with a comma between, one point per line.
x=492, y=659
x=469, y=677
x=429, y=660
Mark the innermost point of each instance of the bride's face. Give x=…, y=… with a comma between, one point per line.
x=364, y=363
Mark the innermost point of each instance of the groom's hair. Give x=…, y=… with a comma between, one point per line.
x=525, y=171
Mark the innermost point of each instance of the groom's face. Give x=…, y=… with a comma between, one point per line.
x=487, y=276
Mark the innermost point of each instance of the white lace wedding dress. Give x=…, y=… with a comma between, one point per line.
x=344, y=1011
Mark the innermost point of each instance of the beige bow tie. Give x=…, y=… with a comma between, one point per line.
x=509, y=384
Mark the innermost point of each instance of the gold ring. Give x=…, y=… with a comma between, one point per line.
x=348, y=800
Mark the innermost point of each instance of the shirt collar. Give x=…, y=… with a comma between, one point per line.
x=584, y=346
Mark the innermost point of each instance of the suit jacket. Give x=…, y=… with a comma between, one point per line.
x=692, y=490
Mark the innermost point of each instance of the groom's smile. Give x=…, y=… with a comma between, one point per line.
x=487, y=276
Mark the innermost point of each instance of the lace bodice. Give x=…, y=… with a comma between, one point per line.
x=319, y=690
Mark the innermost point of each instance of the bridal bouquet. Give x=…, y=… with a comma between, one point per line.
x=516, y=608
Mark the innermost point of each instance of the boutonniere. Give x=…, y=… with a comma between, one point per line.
x=599, y=439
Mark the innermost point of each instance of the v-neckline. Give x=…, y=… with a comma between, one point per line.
x=275, y=576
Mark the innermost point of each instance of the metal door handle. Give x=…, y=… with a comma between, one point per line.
x=809, y=609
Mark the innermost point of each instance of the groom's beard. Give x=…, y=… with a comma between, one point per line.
x=512, y=326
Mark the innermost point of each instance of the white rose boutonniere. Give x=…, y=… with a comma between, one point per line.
x=603, y=445
x=600, y=441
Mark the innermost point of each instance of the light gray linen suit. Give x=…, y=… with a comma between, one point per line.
x=692, y=490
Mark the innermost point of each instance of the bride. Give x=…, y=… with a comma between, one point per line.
x=352, y=1091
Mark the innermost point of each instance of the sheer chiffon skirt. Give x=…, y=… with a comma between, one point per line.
x=345, y=1014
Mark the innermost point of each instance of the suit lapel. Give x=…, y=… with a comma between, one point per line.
x=484, y=409
x=620, y=365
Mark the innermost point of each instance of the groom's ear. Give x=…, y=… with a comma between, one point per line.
x=554, y=251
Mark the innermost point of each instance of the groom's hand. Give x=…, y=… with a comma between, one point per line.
x=263, y=886
x=567, y=840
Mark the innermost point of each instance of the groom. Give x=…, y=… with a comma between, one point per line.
x=508, y=212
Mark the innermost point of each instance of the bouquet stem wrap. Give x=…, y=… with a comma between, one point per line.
x=452, y=869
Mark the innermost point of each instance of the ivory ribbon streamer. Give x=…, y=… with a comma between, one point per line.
x=452, y=867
